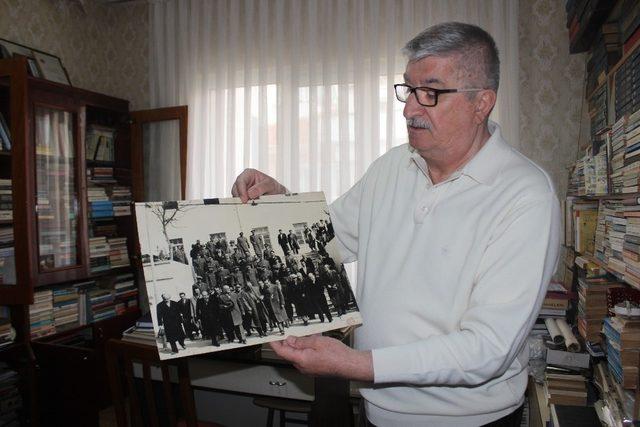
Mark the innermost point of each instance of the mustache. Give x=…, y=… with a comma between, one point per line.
x=417, y=122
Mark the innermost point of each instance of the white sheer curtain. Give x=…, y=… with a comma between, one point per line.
x=302, y=89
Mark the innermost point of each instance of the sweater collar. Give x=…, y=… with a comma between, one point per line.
x=483, y=167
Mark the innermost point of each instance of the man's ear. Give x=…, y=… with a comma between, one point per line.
x=484, y=103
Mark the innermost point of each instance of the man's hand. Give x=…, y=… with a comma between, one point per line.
x=252, y=183
x=324, y=356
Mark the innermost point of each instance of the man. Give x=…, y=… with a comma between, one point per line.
x=208, y=311
x=231, y=312
x=185, y=309
x=243, y=244
x=315, y=290
x=170, y=321
x=457, y=235
x=293, y=242
x=283, y=242
x=257, y=244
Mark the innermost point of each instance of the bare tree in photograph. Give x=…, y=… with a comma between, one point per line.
x=167, y=213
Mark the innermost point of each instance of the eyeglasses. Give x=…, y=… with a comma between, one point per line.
x=426, y=96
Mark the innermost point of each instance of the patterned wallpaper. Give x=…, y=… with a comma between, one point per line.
x=104, y=48
x=551, y=90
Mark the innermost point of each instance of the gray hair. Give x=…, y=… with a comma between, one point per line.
x=474, y=48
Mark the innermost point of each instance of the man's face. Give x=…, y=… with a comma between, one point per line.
x=450, y=125
x=165, y=297
x=182, y=296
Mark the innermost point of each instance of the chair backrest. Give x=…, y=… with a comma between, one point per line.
x=144, y=408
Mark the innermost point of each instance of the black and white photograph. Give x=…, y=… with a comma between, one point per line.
x=221, y=274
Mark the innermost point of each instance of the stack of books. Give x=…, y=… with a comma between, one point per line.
x=6, y=200
x=142, y=332
x=565, y=389
x=96, y=193
x=101, y=304
x=82, y=289
x=556, y=301
x=616, y=227
x=601, y=174
x=601, y=239
x=126, y=292
x=99, y=253
x=597, y=104
x=631, y=245
x=623, y=349
x=629, y=23
x=7, y=332
x=585, y=219
x=100, y=209
x=105, y=228
x=577, y=185
x=592, y=305
x=121, y=199
x=631, y=169
x=555, y=305
x=7, y=257
x=5, y=135
x=41, y=314
x=65, y=307
x=617, y=140
x=100, y=175
x=605, y=52
x=10, y=398
x=118, y=253
x=627, y=82
x=100, y=143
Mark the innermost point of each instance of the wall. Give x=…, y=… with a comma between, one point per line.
x=551, y=90
x=104, y=48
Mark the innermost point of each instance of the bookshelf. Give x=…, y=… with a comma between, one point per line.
x=602, y=207
x=69, y=280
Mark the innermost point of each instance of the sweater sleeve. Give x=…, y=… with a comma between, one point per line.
x=510, y=285
x=344, y=213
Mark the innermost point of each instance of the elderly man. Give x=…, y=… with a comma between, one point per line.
x=170, y=322
x=457, y=235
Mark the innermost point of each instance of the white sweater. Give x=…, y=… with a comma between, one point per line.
x=450, y=279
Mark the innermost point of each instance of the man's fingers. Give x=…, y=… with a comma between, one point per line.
x=301, y=342
x=267, y=186
x=239, y=188
x=285, y=351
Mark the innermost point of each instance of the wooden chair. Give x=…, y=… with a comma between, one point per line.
x=149, y=408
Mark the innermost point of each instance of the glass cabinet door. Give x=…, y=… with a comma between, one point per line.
x=7, y=248
x=56, y=189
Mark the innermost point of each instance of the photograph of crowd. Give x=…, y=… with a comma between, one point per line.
x=223, y=275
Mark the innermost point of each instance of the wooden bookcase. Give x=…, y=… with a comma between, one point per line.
x=52, y=227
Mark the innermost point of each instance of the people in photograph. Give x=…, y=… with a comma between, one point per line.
x=316, y=291
x=456, y=235
x=273, y=299
x=311, y=240
x=257, y=243
x=278, y=303
x=208, y=311
x=170, y=322
x=251, y=318
x=243, y=244
x=231, y=315
x=179, y=255
x=293, y=242
x=185, y=308
x=283, y=241
x=199, y=265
